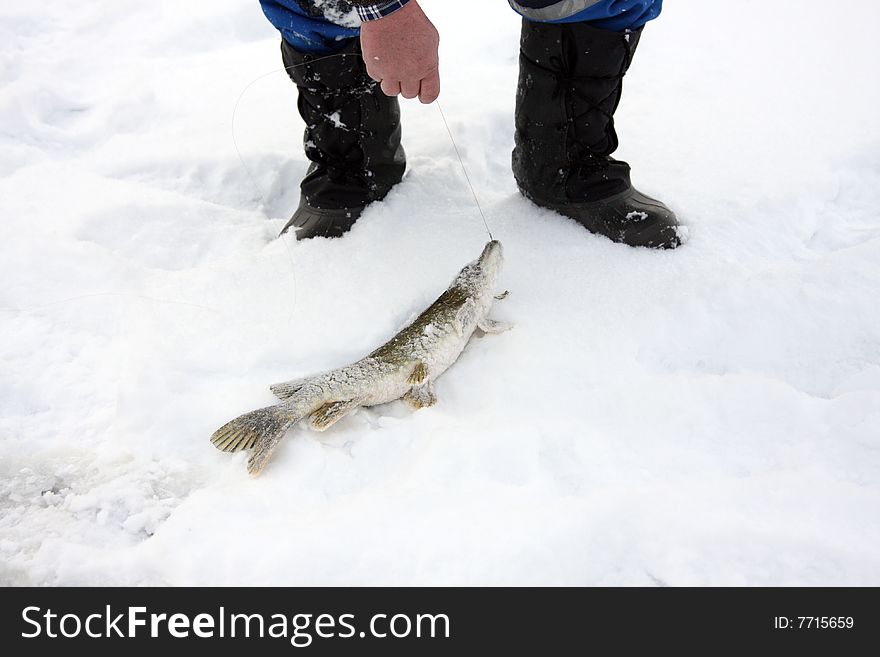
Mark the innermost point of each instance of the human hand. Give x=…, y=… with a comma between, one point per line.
x=400, y=51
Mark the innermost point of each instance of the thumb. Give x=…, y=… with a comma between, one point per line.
x=430, y=87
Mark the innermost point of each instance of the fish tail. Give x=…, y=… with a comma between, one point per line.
x=259, y=431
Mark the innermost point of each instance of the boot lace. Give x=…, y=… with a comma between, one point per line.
x=343, y=158
x=584, y=155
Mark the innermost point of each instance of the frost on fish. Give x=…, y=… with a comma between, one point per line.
x=405, y=367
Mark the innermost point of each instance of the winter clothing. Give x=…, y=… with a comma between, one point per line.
x=321, y=28
x=574, y=54
x=614, y=15
x=370, y=11
x=570, y=83
x=308, y=29
x=352, y=137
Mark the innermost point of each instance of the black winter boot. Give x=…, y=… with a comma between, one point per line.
x=570, y=79
x=352, y=137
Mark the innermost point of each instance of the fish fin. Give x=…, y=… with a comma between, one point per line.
x=419, y=374
x=287, y=389
x=465, y=316
x=260, y=431
x=420, y=396
x=503, y=295
x=329, y=414
x=493, y=327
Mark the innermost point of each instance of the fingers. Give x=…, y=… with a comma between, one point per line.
x=401, y=52
x=427, y=90
x=430, y=88
x=391, y=87
x=409, y=88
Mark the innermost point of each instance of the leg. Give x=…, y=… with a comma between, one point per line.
x=352, y=134
x=572, y=63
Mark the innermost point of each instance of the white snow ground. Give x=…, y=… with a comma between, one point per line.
x=709, y=416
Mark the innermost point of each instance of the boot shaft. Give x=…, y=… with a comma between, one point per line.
x=570, y=83
x=352, y=134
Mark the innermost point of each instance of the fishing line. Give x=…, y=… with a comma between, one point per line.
x=257, y=187
x=318, y=59
x=464, y=168
x=262, y=196
x=253, y=180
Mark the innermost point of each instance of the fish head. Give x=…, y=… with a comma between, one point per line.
x=492, y=256
x=478, y=277
x=489, y=263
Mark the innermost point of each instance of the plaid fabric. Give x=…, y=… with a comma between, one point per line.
x=379, y=10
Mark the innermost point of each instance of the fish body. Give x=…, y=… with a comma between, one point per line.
x=405, y=367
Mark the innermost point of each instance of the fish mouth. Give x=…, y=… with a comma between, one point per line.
x=492, y=252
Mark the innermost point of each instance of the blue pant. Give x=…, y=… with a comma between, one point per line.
x=310, y=32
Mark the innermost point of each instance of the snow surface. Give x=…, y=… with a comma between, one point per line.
x=709, y=416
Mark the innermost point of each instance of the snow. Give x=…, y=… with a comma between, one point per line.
x=336, y=15
x=708, y=416
x=335, y=120
x=637, y=216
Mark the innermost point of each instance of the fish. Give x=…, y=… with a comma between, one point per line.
x=405, y=367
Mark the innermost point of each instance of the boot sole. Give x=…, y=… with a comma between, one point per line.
x=630, y=218
x=311, y=222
